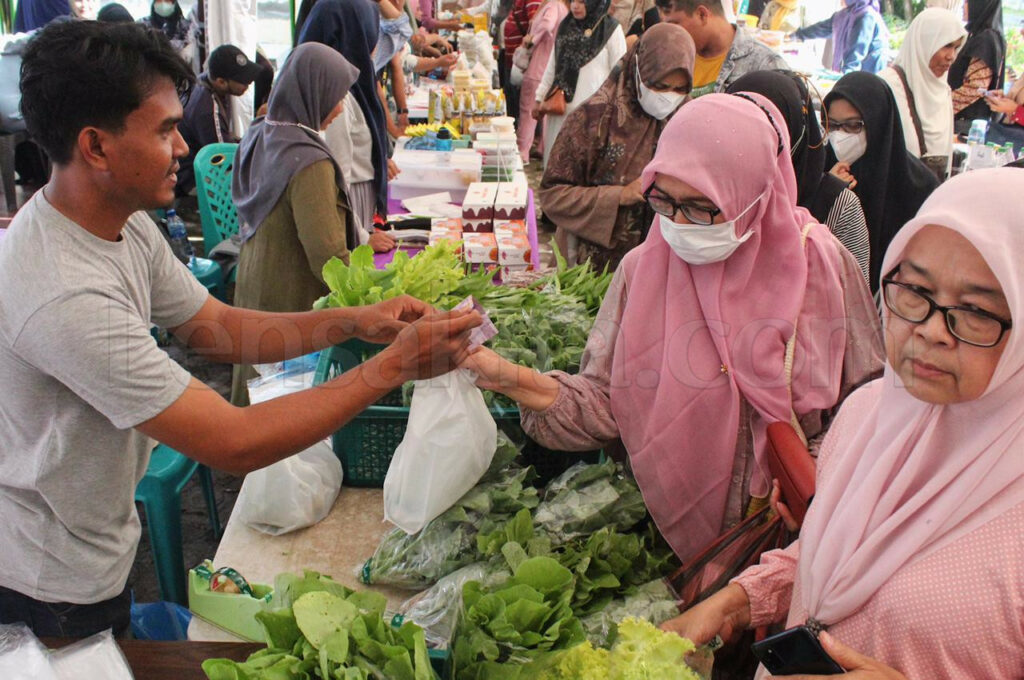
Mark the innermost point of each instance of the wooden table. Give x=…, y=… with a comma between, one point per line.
x=338, y=546
x=172, y=660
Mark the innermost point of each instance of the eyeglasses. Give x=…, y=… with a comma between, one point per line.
x=972, y=326
x=663, y=205
x=852, y=125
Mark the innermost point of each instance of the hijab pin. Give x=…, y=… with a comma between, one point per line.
x=587, y=33
x=724, y=369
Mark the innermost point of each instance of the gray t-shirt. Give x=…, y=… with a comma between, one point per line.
x=78, y=371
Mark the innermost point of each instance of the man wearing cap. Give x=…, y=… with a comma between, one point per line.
x=208, y=111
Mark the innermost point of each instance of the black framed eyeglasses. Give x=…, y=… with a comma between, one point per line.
x=852, y=125
x=972, y=326
x=663, y=205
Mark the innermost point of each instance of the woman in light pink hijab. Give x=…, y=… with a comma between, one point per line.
x=913, y=550
x=686, y=361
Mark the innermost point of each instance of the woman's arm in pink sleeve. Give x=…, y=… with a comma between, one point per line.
x=544, y=23
x=769, y=585
x=580, y=418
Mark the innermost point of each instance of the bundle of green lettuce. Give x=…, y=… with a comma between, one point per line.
x=653, y=602
x=611, y=571
x=323, y=629
x=641, y=652
x=509, y=631
x=544, y=325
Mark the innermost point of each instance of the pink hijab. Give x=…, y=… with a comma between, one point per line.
x=677, y=410
x=918, y=476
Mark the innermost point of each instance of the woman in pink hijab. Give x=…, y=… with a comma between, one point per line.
x=912, y=553
x=686, y=361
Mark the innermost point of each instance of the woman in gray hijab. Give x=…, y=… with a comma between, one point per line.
x=293, y=208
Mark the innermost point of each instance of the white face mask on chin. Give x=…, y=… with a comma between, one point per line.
x=658, y=105
x=698, y=244
x=848, y=147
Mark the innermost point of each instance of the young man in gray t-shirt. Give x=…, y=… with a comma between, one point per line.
x=84, y=389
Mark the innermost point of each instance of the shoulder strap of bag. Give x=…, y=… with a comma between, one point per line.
x=791, y=352
x=913, y=108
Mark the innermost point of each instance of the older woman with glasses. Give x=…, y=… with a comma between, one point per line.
x=867, y=149
x=911, y=555
x=687, y=361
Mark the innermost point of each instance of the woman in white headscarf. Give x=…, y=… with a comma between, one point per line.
x=918, y=81
x=912, y=552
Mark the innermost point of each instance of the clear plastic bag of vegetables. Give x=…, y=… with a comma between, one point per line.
x=436, y=609
x=448, y=542
x=586, y=498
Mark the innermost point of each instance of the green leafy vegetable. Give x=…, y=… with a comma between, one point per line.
x=586, y=498
x=642, y=652
x=329, y=632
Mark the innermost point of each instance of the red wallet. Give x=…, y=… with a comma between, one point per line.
x=791, y=463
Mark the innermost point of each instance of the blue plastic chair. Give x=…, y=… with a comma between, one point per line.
x=210, y=275
x=213, y=166
x=159, y=492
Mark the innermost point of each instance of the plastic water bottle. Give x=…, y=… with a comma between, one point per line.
x=444, y=139
x=180, y=244
x=979, y=129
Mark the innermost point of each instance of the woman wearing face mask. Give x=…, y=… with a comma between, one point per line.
x=918, y=81
x=980, y=66
x=166, y=16
x=866, y=148
x=588, y=45
x=824, y=195
x=911, y=552
x=686, y=360
x=290, y=193
x=591, y=186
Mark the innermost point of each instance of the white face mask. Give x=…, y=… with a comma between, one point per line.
x=697, y=244
x=164, y=9
x=848, y=146
x=658, y=105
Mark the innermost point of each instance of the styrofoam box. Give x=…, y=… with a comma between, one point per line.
x=429, y=172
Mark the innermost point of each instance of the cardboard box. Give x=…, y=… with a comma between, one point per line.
x=510, y=228
x=514, y=250
x=480, y=248
x=510, y=270
x=510, y=202
x=478, y=207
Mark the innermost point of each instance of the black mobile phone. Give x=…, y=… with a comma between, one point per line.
x=793, y=652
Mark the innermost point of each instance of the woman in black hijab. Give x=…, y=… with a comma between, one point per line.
x=980, y=65
x=351, y=27
x=866, y=145
x=824, y=195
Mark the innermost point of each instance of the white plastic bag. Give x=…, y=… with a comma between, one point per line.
x=298, y=491
x=448, y=445
x=22, y=655
x=97, y=656
x=292, y=493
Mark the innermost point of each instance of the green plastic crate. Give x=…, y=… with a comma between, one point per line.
x=366, y=444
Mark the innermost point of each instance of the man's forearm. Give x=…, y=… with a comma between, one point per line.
x=246, y=336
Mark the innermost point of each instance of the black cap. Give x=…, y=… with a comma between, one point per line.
x=230, y=63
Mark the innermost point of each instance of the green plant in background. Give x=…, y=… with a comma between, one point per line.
x=6, y=16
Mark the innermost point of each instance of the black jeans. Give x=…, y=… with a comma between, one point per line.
x=62, y=619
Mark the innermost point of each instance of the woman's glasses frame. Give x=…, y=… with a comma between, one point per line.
x=889, y=283
x=668, y=207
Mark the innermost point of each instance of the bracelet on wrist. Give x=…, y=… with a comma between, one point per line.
x=401, y=110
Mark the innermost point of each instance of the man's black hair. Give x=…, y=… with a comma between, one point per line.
x=76, y=74
x=690, y=6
